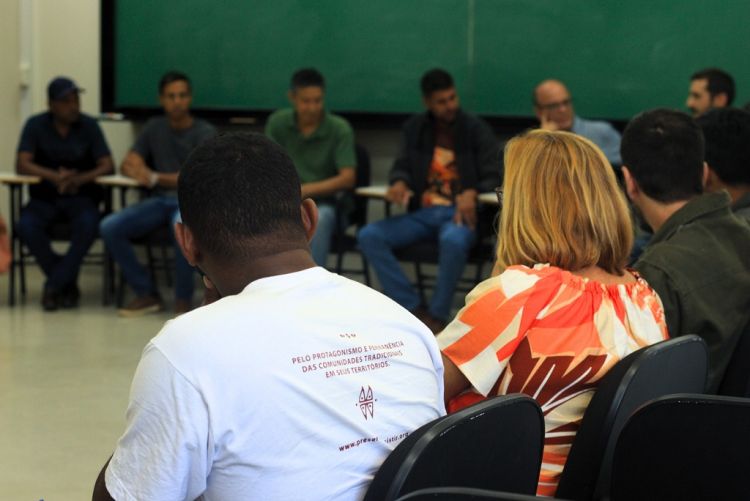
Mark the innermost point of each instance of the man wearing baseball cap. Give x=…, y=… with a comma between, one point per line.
x=67, y=150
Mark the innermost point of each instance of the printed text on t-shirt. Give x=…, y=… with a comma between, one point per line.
x=351, y=360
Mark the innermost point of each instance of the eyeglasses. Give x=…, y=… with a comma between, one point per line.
x=556, y=106
x=499, y=191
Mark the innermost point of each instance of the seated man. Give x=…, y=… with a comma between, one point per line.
x=553, y=106
x=154, y=162
x=709, y=88
x=727, y=133
x=67, y=150
x=447, y=157
x=292, y=383
x=698, y=260
x=321, y=145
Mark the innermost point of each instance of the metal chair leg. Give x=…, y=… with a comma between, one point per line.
x=420, y=282
x=166, y=263
x=366, y=270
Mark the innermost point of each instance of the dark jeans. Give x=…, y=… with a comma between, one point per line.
x=135, y=221
x=36, y=218
x=378, y=241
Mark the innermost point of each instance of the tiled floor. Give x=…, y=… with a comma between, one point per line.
x=64, y=381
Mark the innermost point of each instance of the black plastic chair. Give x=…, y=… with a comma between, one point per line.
x=345, y=242
x=736, y=380
x=684, y=447
x=675, y=366
x=495, y=444
x=466, y=494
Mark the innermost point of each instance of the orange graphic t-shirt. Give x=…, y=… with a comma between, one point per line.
x=552, y=335
x=442, y=177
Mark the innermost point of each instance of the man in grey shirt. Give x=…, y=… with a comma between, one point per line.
x=154, y=162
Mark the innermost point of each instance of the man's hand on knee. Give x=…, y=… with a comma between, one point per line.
x=466, y=209
x=399, y=193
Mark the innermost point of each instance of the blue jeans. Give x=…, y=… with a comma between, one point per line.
x=37, y=216
x=136, y=221
x=378, y=240
x=321, y=241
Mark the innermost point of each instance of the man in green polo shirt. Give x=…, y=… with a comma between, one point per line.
x=698, y=260
x=322, y=147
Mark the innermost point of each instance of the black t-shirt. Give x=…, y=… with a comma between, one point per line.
x=79, y=150
x=165, y=149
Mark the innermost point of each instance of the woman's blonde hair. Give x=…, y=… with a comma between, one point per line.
x=561, y=205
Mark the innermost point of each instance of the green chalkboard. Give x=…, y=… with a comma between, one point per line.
x=618, y=57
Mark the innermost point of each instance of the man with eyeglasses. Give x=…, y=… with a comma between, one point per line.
x=553, y=106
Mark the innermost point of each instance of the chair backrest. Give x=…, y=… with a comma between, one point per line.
x=684, y=447
x=466, y=494
x=495, y=444
x=736, y=380
x=675, y=366
x=351, y=209
x=358, y=216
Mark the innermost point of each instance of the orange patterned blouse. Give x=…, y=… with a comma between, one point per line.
x=552, y=335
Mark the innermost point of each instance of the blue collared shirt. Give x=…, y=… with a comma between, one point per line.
x=601, y=134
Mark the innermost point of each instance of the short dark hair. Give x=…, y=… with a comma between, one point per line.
x=173, y=76
x=434, y=80
x=663, y=149
x=240, y=195
x=719, y=82
x=307, y=77
x=727, y=133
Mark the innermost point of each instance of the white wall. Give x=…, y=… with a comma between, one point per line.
x=56, y=37
x=66, y=42
x=9, y=81
x=65, y=39
x=10, y=90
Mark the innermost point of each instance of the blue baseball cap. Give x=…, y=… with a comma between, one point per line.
x=61, y=87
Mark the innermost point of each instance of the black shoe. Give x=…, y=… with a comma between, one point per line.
x=50, y=300
x=69, y=296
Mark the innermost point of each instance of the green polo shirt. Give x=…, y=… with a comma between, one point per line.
x=699, y=264
x=322, y=154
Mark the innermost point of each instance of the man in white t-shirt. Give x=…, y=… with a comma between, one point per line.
x=295, y=382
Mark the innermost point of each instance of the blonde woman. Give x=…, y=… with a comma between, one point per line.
x=561, y=309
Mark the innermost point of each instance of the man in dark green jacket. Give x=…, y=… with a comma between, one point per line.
x=698, y=260
x=727, y=133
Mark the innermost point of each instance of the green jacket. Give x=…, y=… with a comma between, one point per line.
x=699, y=264
x=742, y=207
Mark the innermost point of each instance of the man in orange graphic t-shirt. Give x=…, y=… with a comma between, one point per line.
x=447, y=157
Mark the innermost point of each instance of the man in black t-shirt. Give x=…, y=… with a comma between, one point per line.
x=154, y=162
x=67, y=150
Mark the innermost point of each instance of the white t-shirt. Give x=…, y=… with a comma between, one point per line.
x=298, y=387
